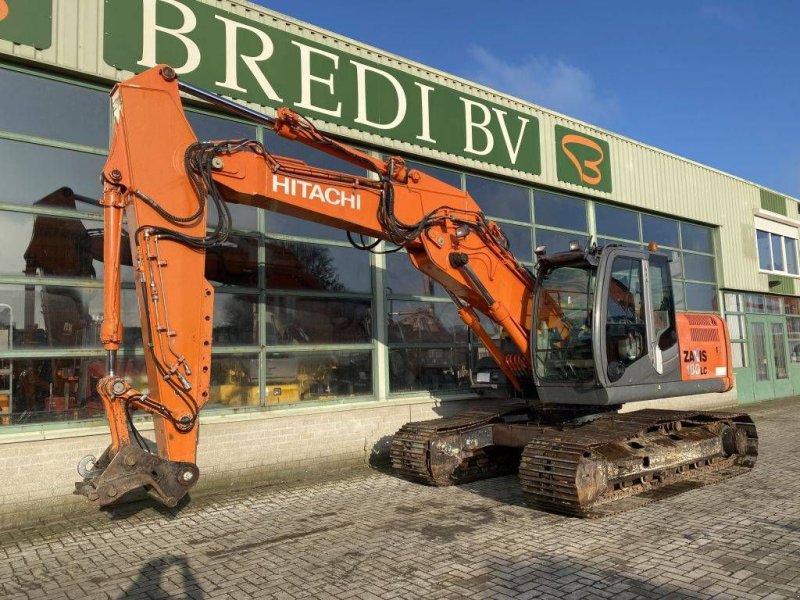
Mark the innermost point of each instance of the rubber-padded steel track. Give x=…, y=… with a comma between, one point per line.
x=622, y=461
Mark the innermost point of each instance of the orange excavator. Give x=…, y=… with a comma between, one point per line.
x=589, y=330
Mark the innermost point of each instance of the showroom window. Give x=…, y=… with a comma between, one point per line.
x=776, y=253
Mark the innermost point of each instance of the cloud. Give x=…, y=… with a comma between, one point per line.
x=553, y=84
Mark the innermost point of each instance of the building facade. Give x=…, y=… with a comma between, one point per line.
x=321, y=350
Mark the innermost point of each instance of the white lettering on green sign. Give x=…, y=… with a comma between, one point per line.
x=252, y=61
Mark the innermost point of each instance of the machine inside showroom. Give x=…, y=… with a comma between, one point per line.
x=591, y=329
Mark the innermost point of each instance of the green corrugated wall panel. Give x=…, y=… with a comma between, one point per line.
x=772, y=202
x=785, y=285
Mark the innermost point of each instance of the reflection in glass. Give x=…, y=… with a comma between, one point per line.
x=760, y=351
x=208, y=128
x=699, y=267
x=662, y=231
x=303, y=320
x=791, y=255
x=299, y=266
x=777, y=252
x=235, y=263
x=616, y=222
x=779, y=351
x=309, y=376
x=696, y=237
x=498, y=199
x=450, y=177
x=558, y=241
x=559, y=211
x=234, y=381
x=519, y=239
x=432, y=369
x=404, y=279
x=424, y=322
x=51, y=109
x=61, y=389
x=700, y=296
x=55, y=170
x=764, y=256
x=235, y=319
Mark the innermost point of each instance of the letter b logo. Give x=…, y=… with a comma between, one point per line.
x=582, y=160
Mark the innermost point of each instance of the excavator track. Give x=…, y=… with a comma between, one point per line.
x=420, y=451
x=623, y=461
x=613, y=463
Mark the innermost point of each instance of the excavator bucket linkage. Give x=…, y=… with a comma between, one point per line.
x=612, y=463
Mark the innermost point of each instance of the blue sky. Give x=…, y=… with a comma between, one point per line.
x=714, y=81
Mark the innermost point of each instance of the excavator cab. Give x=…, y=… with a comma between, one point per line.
x=605, y=329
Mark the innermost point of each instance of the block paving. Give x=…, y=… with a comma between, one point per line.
x=370, y=535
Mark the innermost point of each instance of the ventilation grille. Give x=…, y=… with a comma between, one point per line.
x=704, y=335
x=701, y=320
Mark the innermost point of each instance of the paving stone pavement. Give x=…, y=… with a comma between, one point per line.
x=370, y=535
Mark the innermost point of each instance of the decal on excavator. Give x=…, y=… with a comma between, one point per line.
x=314, y=191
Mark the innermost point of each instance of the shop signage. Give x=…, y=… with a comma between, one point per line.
x=582, y=159
x=27, y=22
x=252, y=61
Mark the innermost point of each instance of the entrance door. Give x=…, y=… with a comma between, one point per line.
x=770, y=357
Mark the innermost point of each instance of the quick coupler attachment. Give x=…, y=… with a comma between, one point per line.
x=106, y=480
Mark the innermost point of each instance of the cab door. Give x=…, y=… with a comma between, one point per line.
x=637, y=349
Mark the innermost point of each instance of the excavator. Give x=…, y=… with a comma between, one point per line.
x=585, y=332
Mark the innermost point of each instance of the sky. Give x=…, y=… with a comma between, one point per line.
x=715, y=81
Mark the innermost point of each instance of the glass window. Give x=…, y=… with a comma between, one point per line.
x=62, y=389
x=791, y=255
x=234, y=381
x=776, y=242
x=519, y=239
x=772, y=305
x=208, y=128
x=779, y=350
x=316, y=158
x=626, y=339
x=733, y=302
x=60, y=179
x=39, y=245
x=700, y=296
x=432, y=369
x=286, y=225
x=235, y=319
x=51, y=109
x=558, y=241
x=235, y=263
x=696, y=237
x=560, y=211
x=698, y=266
x=760, y=351
x=739, y=355
x=616, y=222
x=314, y=376
x=450, y=177
x=564, y=325
x=755, y=303
x=791, y=306
x=736, y=326
x=303, y=320
x=793, y=333
x=425, y=323
x=662, y=231
x=499, y=199
x=663, y=302
x=300, y=266
x=680, y=298
x=404, y=279
x=764, y=256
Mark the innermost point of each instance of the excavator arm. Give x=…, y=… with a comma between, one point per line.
x=161, y=180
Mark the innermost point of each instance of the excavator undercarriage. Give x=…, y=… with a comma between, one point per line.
x=589, y=467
